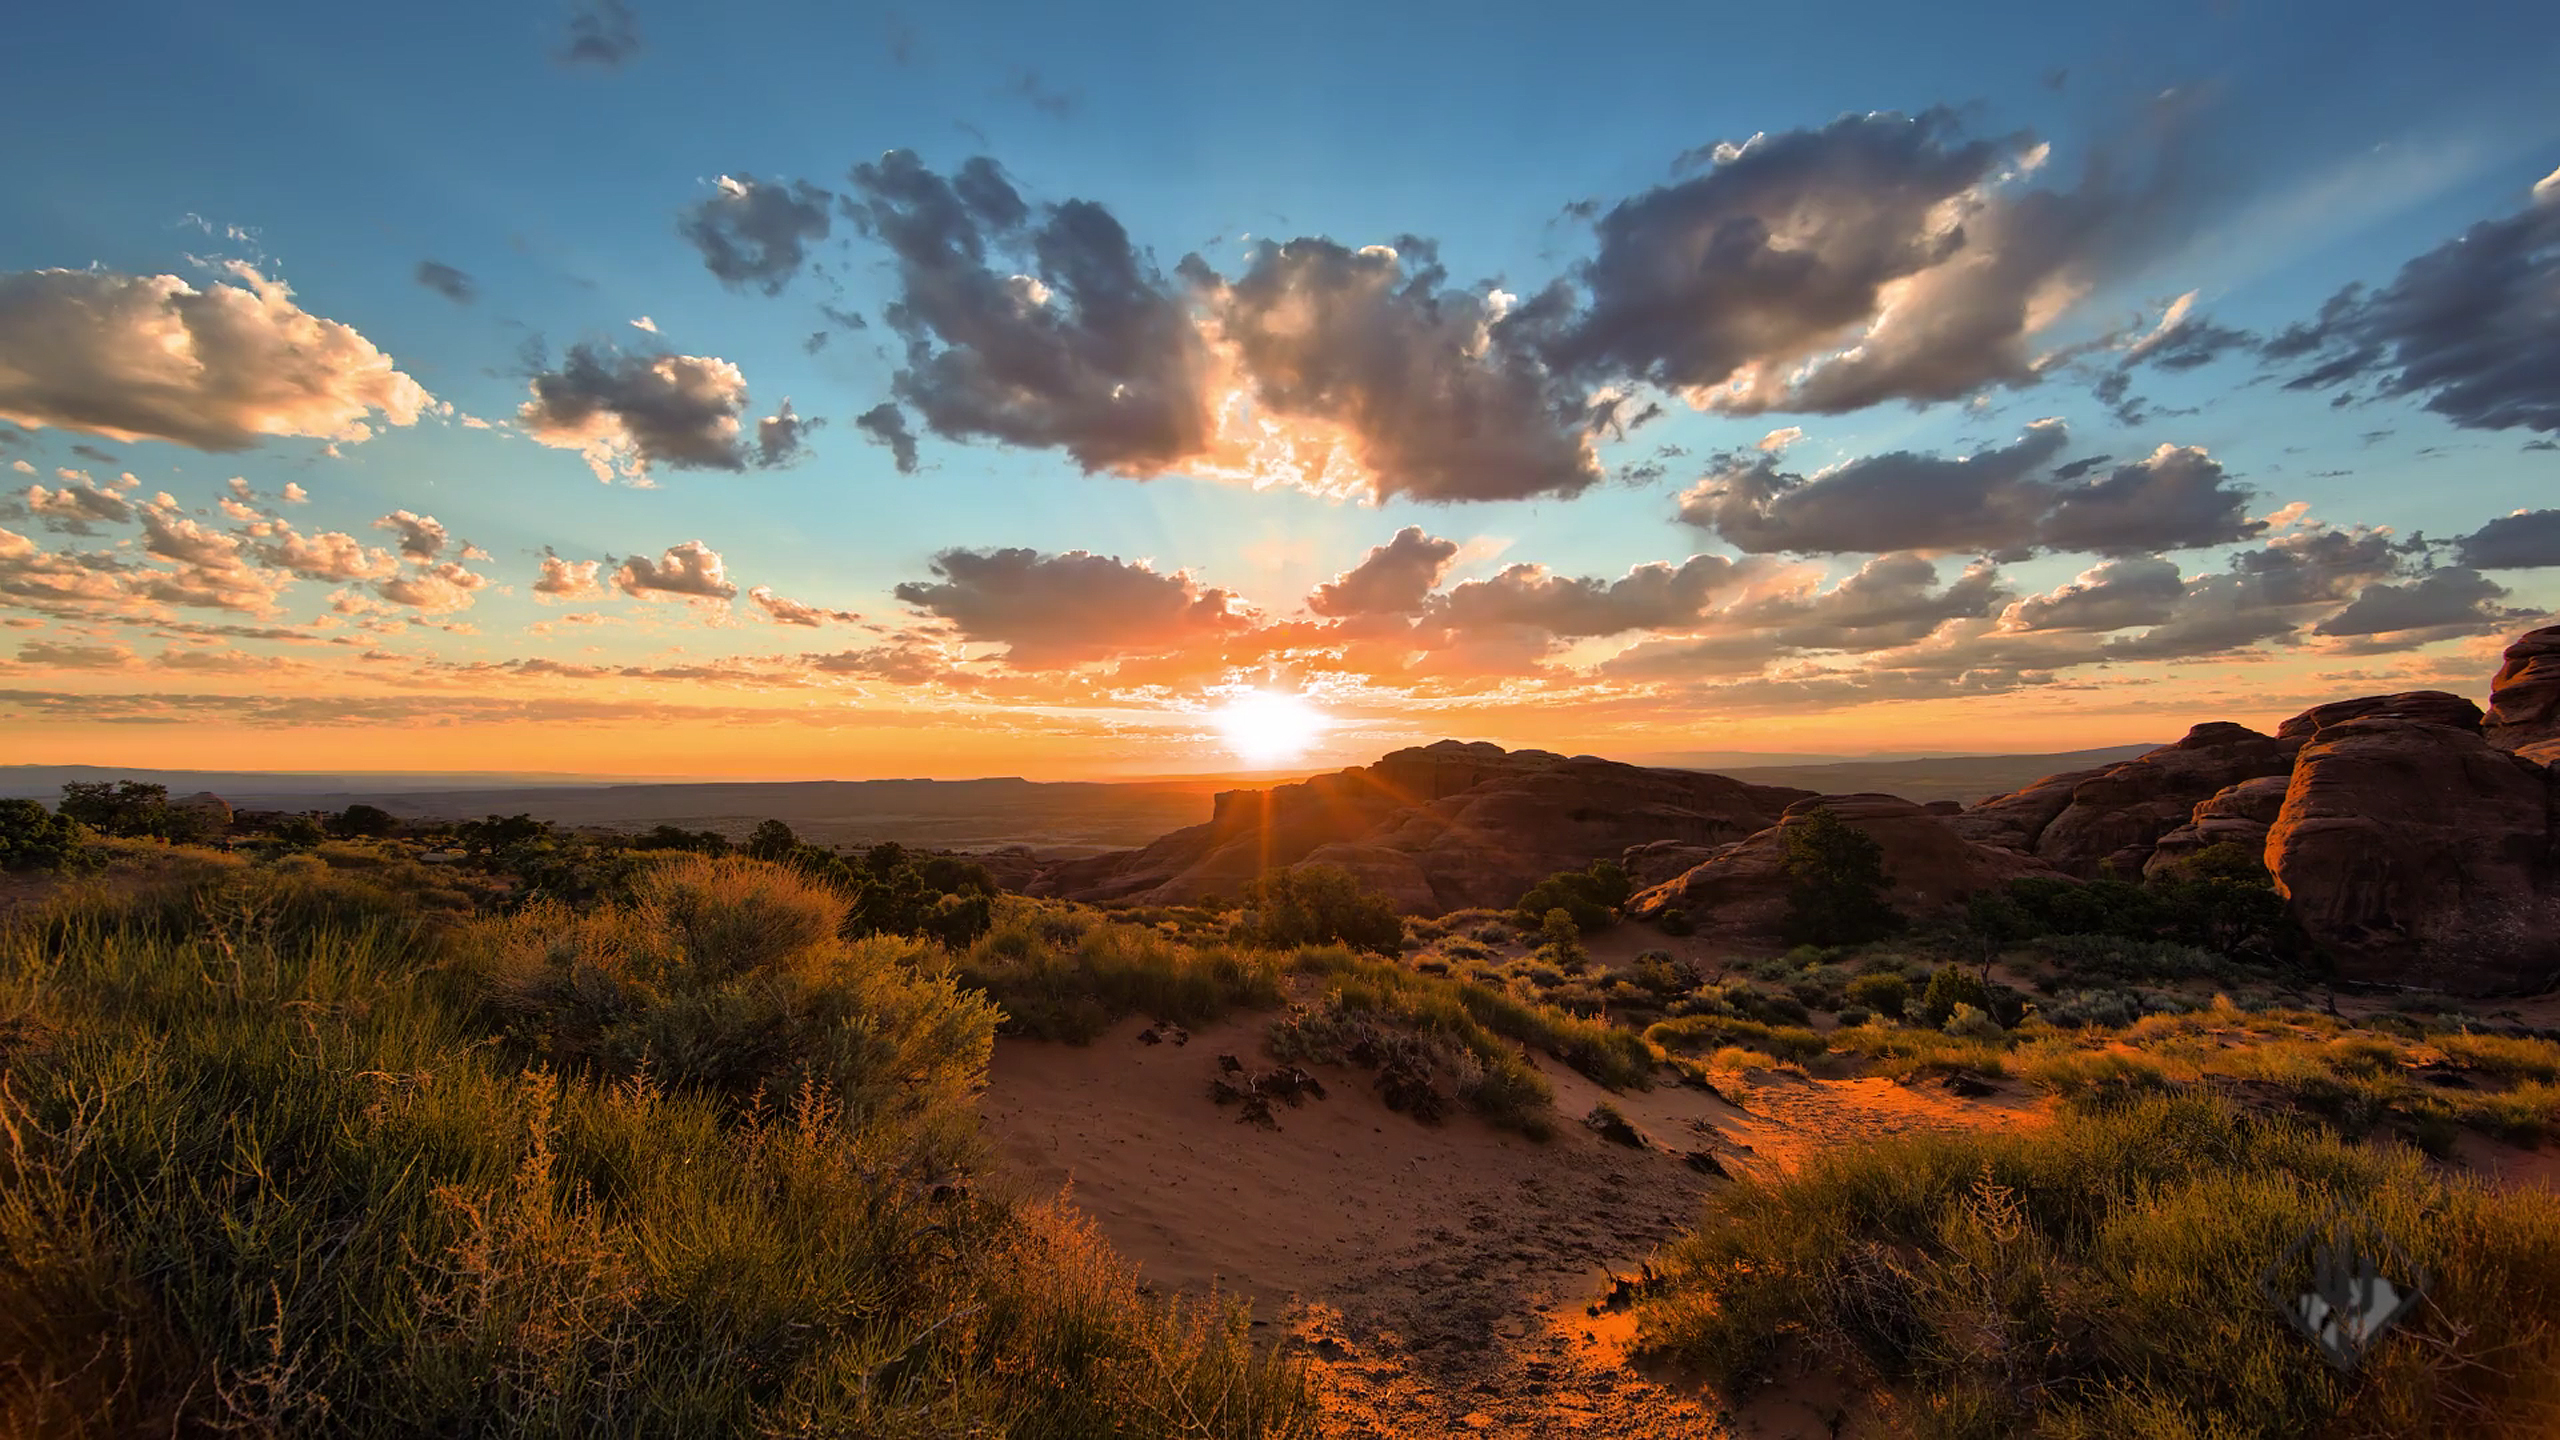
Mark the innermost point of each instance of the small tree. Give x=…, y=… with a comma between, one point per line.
x=1322, y=905
x=1996, y=922
x=1592, y=896
x=772, y=840
x=1836, y=883
x=34, y=838
x=300, y=830
x=365, y=822
x=1560, y=940
x=122, y=807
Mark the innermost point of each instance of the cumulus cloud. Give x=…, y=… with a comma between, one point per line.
x=153, y=358
x=2437, y=605
x=628, y=413
x=330, y=555
x=1087, y=350
x=2472, y=325
x=446, y=281
x=1881, y=257
x=792, y=612
x=1053, y=611
x=1994, y=501
x=2526, y=540
x=886, y=424
x=422, y=537
x=755, y=232
x=692, y=569
x=433, y=589
x=1395, y=579
x=1435, y=398
x=2115, y=595
x=78, y=507
x=1529, y=596
x=781, y=436
x=568, y=579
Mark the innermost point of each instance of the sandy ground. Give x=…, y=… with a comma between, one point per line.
x=1440, y=1278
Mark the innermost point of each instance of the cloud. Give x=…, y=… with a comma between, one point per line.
x=627, y=414
x=691, y=569
x=1881, y=257
x=1053, y=611
x=568, y=579
x=1901, y=500
x=53, y=580
x=64, y=655
x=2114, y=595
x=1648, y=597
x=153, y=358
x=1396, y=578
x=2472, y=325
x=782, y=436
x=422, y=537
x=78, y=508
x=1057, y=104
x=433, y=589
x=2439, y=603
x=1991, y=502
x=792, y=612
x=758, y=233
x=1089, y=351
x=330, y=555
x=2526, y=540
x=446, y=281
x=601, y=32
x=887, y=424
x=293, y=494
x=1436, y=403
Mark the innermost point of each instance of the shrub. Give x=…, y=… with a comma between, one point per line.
x=364, y=822
x=1667, y=978
x=1836, y=883
x=1967, y=1023
x=1591, y=896
x=1696, y=1034
x=1883, y=992
x=1060, y=981
x=1855, y=1015
x=1949, y=987
x=1321, y=905
x=2097, y=1277
x=1560, y=940
x=1674, y=921
x=34, y=838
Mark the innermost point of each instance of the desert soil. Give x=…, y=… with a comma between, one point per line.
x=1439, y=1279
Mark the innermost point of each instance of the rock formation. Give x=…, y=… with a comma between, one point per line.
x=1932, y=869
x=1436, y=828
x=2089, y=822
x=2524, y=699
x=2238, y=815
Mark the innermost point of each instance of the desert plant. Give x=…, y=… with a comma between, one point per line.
x=1321, y=905
x=34, y=838
x=1884, y=992
x=1591, y=896
x=1673, y=921
x=1560, y=941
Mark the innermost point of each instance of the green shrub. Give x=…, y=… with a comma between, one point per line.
x=1056, y=978
x=1883, y=992
x=1698, y=1034
x=1590, y=896
x=1674, y=921
x=1967, y=1023
x=2098, y=1278
x=1949, y=987
x=1855, y=1015
x=1321, y=905
x=34, y=838
x=1560, y=941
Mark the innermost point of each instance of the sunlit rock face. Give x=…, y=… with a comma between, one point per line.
x=2524, y=699
x=1438, y=827
x=1929, y=867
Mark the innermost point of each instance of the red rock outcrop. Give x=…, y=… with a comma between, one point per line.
x=1440, y=827
x=2420, y=853
x=2434, y=707
x=2239, y=815
x=2524, y=699
x=1931, y=868
x=2083, y=824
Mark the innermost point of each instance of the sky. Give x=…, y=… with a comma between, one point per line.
x=784, y=390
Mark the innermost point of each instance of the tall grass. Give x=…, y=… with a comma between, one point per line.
x=1059, y=975
x=1615, y=1057
x=263, y=1171
x=2098, y=1278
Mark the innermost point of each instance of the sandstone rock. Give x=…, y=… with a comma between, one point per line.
x=2086, y=823
x=1439, y=827
x=2240, y=815
x=1655, y=861
x=2419, y=853
x=1931, y=868
x=2436, y=707
x=2524, y=699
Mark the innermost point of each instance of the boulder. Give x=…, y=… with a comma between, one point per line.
x=1655, y=861
x=1439, y=827
x=2421, y=854
x=2087, y=823
x=2238, y=815
x=2524, y=699
x=1930, y=868
x=2435, y=707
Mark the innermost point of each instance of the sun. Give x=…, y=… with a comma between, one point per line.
x=1266, y=728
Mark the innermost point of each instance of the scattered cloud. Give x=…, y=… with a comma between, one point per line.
x=886, y=424
x=2526, y=540
x=1052, y=611
x=792, y=612
x=629, y=413
x=1396, y=578
x=757, y=233
x=446, y=281
x=601, y=32
x=692, y=569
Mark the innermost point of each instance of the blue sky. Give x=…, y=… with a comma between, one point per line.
x=334, y=149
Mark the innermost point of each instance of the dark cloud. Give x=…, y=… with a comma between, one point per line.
x=1761, y=284
x=446, y=281
x=2526, y=540
x=1087, y=350
x=2116, y=595
x=601, y=32
x=1396, y=578
x=1892, y=600
x=78, y=507
x=2176, y=499
x=92, y=452
x=782, y=436
x=792, y=612
x=1061, y=610
x=1438, y=403
x=1988, y=501
x=1057, y=104
x=135, y=357
x=629, y=412
x=2266, y=594
x=1530, y=597
x=887, y=424
x=2473, y=326
x=693, y=570
x=422, y=537
x=754, y=232
x=2437, y=605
